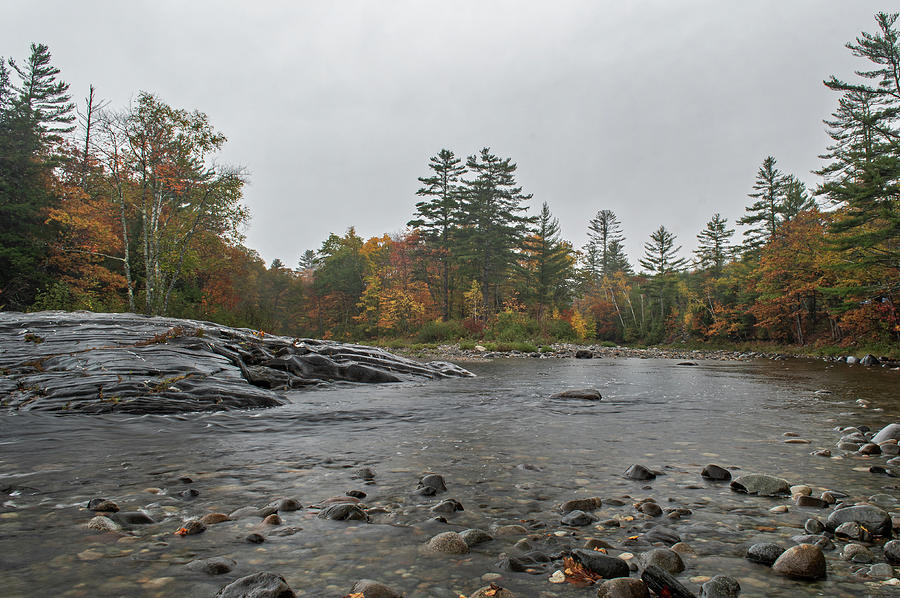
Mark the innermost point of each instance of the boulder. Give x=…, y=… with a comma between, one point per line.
x=804, y=561
x=127, y=363
x=258, y=585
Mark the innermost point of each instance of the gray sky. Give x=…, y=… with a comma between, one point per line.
x=661, y=111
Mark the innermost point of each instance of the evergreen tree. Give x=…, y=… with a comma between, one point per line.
x=438, y=217
x=493, y=224
x=33, y=115
x=660, y=253
x=795, y=199
x=763, y=214
x=604, y=229
x=862, y=177
x=617, y=261
x=714, y=250
x=590, y=263
x=546, y=264
x=309, y=261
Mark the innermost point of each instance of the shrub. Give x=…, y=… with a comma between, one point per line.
x=437, y=331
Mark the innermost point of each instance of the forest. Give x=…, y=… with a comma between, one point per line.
x=127, y=209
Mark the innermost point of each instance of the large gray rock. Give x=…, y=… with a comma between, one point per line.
x=874, y=519
x=889, y=432
x=804, y=561
x=259, y=585
x=762, y=485
x=82, y=362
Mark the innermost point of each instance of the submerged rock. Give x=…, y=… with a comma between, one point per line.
x=588, y=394
x=99, y=363
x=259, y=585
x=374, y=589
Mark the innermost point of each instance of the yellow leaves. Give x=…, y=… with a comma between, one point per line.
x=356, y=595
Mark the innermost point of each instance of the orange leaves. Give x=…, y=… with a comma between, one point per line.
x=182, y=531
x=577, y=574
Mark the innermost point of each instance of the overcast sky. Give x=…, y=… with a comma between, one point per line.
x=661, y=111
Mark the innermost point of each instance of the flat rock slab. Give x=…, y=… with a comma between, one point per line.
x=82, y=362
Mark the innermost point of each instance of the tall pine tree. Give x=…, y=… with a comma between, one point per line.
x=713, y=246
x=546, y=264
x=604, y=229
x=763, y=214
x=493, y=224
x=438, y=216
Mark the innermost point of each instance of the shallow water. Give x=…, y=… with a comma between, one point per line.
x=480, y=434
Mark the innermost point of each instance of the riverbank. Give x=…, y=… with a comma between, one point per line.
x=468, y=350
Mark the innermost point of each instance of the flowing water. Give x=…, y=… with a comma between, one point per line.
x=508, y=453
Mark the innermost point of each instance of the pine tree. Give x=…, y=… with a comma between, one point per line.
x=604, y=229
x=714, y=250
x=762, y=216
x=492, y=222
x=33, y=115
x=546, y=264
x=660, y=253
x=795, y=199
x=438, y=217
x=862, y=177
x=616, y=259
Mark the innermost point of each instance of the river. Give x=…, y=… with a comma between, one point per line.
x=508, y=454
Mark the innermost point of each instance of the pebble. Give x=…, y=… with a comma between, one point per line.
x=448, y=543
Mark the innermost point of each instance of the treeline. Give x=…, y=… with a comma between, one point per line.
x=128, y=210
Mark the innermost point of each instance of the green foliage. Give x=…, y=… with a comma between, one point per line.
x=660, y=253
x=438, y=331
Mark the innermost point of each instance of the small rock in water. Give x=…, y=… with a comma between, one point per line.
x=651, y=508
x=473, y=537
x=587, y=394
x=102, y=504
x=365, y=474
x=853, y=531
x=639, y=472
x=557, y=577
x=578, y=518
x=132, y=518
x=103, y=524
x=494, y=591
x=259, y=585
x=190, y=528
x=811, y=501
x=857, y=553
x=214, y=518
x=244, y=512
x=344, y=512
x=721, y=586
x=581, y=504
x=870, y=448
x=255, y=538
x=823, y=542
x=715, y=473
x=448, y=543
x=601, y=564
x=874, y=519
x=889, y=432
x=664, y=584
x=762, y=485
x=800, y=490
x=764, y=553
x=432, y=484
x=805, y=561
x=814, y=526
x=286, y=504
x=212, y=566
x=892, y=552
x=796, y=441
x=273, y=519
x=450, y=505
x=623, y=587
x=373, y=589
x=664, y=558
x=356, y=494
x=821, y=453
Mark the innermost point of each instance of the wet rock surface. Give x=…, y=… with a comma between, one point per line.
x=81, y=362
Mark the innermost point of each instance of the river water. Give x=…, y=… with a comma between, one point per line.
x=508, y=454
